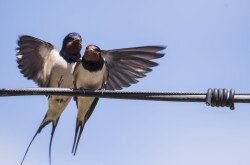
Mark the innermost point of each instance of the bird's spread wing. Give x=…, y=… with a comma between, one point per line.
x=36, y=59
x=126, y=65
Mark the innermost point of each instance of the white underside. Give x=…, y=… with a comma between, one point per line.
x=87, y=80
x=61, y=77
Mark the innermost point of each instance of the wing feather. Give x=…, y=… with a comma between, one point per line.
x=36, y=59
x=126, y=65
x=142, y=48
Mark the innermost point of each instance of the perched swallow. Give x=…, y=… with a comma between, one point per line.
x=110, y=70
x=40, y=61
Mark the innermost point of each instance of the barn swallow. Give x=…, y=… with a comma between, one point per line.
x=40, y=61
x=110, y=70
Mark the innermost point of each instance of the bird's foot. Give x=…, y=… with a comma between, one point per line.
x=102, y=90
x=82, y=89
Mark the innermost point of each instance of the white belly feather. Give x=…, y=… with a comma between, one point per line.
x=62, y=75
x=90, y=80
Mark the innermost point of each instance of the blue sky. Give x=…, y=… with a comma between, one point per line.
x=208, y=46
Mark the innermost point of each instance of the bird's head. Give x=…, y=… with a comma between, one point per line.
x=72, y=43
x=92, y=53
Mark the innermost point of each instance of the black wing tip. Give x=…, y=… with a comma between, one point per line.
x=156, y=48
x=26, y=36
x=159, y=47
x=155, y=64
x=23, y=37
x=20, y=39
x=147, y=48
x=158, y=55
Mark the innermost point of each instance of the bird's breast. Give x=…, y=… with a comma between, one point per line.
x=62, y=75
x=90, y=80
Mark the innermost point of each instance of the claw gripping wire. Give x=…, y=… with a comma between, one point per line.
x=220, y=98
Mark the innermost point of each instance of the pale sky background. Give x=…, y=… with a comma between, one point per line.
x=208, y=46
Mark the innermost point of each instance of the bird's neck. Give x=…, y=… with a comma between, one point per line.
x=69, y=57
x=92, y=66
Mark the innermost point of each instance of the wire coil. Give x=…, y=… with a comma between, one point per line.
x=220, y=98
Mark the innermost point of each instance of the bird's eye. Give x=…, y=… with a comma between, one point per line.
x=68, y=39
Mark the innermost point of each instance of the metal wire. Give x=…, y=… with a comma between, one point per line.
x=213, y=97
x=96, y=93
